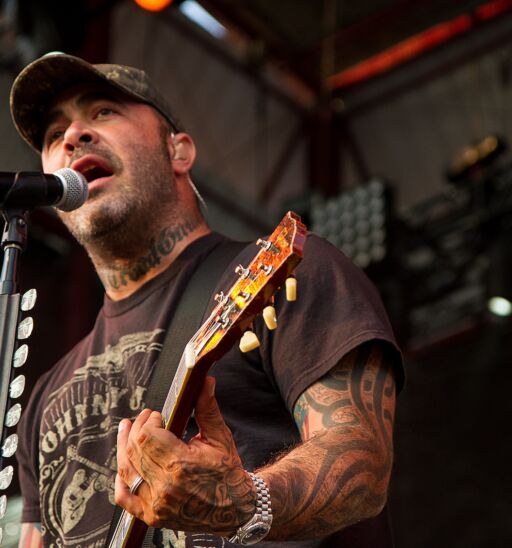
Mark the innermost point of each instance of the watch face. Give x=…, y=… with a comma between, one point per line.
x=254, y=533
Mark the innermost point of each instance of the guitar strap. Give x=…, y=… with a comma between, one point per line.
x=183, y=324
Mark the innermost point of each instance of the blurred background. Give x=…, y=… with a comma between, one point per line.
x=386, y=125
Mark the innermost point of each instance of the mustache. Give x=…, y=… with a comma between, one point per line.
x=98, y=150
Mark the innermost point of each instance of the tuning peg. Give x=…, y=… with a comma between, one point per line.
x=291, y=289
x=269, y=316
x=28, y=300
x=220, y=297
x=249, y=341
x=267, y=245
x=267, y=268
x=242, y=271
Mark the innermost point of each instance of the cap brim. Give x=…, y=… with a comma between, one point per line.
x=38, y=84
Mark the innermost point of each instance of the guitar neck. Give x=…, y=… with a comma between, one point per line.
x=233, y=315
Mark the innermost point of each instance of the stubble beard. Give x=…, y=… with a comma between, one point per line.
x=119, y=220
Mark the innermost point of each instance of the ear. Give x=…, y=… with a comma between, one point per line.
x=183, y=152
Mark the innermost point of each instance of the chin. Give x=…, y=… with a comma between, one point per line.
x=96, y=220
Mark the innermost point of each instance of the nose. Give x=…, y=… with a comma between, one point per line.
x=78, y=134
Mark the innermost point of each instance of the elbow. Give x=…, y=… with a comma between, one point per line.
x=375, y=491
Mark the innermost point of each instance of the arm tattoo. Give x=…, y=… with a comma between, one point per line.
x=340, y=474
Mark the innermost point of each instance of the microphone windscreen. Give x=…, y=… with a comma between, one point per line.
x=74, y=189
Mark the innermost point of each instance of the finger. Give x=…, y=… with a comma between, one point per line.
x=123, y=431
x=208, y=416
x=132, y=449
x=151, y=425
x=148, y=440
x=125, y=469
x=140, y=421
x=130, y=502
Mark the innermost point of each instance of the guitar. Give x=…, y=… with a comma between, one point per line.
x=253, y=293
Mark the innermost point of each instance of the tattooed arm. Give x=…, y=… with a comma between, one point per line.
x=30, y=536
x=337, y=476
x=340, y=474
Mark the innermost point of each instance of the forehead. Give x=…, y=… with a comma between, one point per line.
x=83, y=95
x=77, y=99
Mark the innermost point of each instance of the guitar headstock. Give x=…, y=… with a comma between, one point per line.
x=278, y=256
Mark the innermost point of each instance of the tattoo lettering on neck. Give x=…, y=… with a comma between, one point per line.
x=163, y=245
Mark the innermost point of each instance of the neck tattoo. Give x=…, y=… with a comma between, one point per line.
x=163, y=245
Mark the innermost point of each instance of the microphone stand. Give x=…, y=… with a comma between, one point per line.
x=14, y=241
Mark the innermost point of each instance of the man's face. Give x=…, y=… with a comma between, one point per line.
x=121, y=148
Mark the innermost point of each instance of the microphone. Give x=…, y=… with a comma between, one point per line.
x=66, y=189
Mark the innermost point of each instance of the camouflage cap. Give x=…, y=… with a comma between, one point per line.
x=39, y=83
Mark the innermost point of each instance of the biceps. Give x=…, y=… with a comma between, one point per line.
x=358, y=392
x=30, y=536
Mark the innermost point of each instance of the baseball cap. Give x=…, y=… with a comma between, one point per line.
x=39, y=82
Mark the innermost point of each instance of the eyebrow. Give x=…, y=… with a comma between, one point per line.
x=83, y=100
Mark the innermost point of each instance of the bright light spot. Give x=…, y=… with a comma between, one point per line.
x=153, y=5
x=196, y=13
x=500, y=306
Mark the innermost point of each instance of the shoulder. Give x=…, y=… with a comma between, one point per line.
x=319, y=253
x=330, y=274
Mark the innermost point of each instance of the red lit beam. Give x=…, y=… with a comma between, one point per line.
x=417, y=45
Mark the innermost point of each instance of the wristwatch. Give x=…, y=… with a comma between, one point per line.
x=258, y=526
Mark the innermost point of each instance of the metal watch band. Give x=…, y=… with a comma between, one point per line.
x=258, y=526
x=263, y=505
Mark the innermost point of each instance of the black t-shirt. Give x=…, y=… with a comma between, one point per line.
x=68, y=432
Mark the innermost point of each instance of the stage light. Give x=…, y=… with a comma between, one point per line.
x=475, y=156
x=499, y=286
x=153, y=5
x=356, y=221
x=196, y=13
x=499, y=306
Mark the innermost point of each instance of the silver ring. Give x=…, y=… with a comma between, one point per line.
x=136, y=484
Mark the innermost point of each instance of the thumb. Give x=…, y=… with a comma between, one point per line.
x=207, y=414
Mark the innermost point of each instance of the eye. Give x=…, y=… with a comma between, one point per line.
x=53, y=135
x=104, y=112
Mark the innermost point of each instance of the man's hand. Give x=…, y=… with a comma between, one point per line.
x=338, y=476
x=196, y=486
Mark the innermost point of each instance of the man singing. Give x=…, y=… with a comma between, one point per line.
x=304, y=422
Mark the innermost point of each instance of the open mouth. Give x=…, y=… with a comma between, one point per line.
x=93, y=172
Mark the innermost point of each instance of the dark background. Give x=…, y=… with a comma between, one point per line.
x=312, y=135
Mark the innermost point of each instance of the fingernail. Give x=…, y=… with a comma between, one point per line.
x=212, y=386
x=121, y=427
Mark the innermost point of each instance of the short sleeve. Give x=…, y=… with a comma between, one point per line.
x=336, y=310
